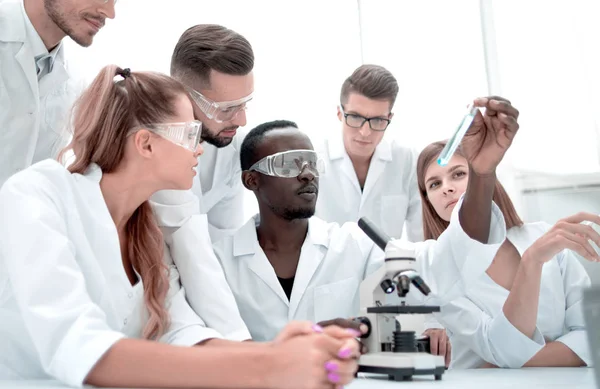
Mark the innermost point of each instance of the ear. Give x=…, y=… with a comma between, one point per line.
x=250, y=180
x=143, y=143
x=339, y=113
x=391, y=115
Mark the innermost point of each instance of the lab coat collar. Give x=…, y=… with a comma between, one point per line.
x=245, y=240
x=93, y=173
x=245, y=243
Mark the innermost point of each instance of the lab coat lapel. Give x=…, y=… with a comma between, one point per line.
x=260, y=265
x=382, y=155
x=25, y=59
x=340, y=159
x=220, y=178
x=311, y=256
x=246, y=245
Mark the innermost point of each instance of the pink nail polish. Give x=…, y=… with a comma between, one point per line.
x=354, y=333
x=331, y=366
x=345, y=353
x=334, y=378
x=317, y=328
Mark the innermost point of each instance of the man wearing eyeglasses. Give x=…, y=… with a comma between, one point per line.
x=35, y=89
x=367, y=174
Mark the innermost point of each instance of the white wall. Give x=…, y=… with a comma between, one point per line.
x=547, y=64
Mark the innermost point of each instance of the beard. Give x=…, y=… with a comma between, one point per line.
x=61, y=19
x=214, y=139
x=290, y=214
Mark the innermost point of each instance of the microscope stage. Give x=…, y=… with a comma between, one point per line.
x=402, y=366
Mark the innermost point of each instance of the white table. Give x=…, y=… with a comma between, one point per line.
x=459, y=379
x=527, y=378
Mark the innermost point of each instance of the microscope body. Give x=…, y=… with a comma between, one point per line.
x=392, y=345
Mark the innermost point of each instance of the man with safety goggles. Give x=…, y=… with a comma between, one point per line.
x=215, y=65
x=286, y=264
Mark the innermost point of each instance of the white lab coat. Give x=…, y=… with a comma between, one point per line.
x=189, y=219
x=334, y=260
x=65, y=298
x=32, y=114
x=390, y=197
x=480, y=332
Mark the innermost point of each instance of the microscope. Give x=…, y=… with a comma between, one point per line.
x=393, y=348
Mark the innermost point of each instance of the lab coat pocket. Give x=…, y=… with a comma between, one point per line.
x=337, y=299
x=393, y=214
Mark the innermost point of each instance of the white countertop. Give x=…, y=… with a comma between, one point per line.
x=528, y=378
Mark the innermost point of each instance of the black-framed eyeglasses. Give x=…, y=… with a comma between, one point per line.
x=357, y=121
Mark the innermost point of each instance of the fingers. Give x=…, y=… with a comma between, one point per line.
x=353, y=346
x=442, y=343
x=582, y=217
x=566, y=240
x=497, y=105
x=582, y=230
x=341, y=333
x=509, y=122
x=337, y=347
x=448, y=356
x=297, y=328
x=346, y=323
x=433, y=342
x=341, y=372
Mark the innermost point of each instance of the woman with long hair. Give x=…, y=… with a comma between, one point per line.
x=526, y=308
x=85, y=295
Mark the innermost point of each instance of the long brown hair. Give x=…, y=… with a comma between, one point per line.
x=433, y=224
x=102, y=118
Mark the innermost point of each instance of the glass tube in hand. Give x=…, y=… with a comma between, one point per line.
x=454, y=142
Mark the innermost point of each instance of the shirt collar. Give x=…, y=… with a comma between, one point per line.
x=38, y=48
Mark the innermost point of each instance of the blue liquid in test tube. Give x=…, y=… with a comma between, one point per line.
x=454, y=142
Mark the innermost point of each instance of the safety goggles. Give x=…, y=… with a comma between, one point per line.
x=289, y=164
x=185, y=134
x=219, y=111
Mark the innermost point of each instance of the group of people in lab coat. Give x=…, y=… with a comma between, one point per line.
x=138, y=244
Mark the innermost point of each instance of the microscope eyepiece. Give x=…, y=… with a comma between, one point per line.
x=388, y=286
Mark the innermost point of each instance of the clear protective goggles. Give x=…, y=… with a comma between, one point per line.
x=219, y=111
x=186, y=134
x=289, y=164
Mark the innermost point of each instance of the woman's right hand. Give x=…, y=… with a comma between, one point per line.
x=311, y=357
x=567, y=233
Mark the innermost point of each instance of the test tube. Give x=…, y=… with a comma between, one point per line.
x=452, y=145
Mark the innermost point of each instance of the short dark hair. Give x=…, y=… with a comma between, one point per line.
x=254, y=138
x=207, y=47
x=372, y=81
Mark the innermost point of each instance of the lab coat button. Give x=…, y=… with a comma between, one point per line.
x=130, y=295
x=125, y=321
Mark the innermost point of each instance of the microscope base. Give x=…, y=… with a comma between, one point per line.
x=402, y=366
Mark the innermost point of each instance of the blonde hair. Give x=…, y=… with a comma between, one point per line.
x=433, y=224
x=102, y=118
